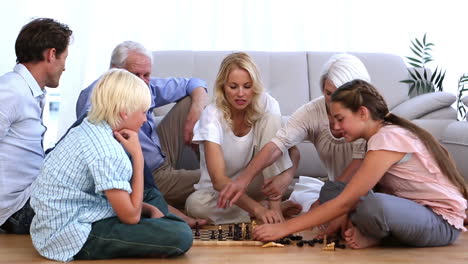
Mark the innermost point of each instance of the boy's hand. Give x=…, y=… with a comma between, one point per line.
x=129, y=140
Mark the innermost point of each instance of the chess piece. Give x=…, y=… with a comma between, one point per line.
x=212, y=235
x=230, y=234
x=197, y=230
x=220, y=233
x=247, y=232
x=329, y=247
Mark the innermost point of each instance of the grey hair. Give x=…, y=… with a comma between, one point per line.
x=343, y=68
x=120, y=53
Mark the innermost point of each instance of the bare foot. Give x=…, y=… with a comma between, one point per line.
x=290, y=208
x=189, y=220
x=355, y=239
x=334, y=226
x=276, y=206
x=192, y=221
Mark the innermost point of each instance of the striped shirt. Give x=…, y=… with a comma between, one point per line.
x=68, y=196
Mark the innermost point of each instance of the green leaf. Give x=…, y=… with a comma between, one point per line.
x=407, y=81
x=412, y=75
x=424, y=39
x=415, y=65
x=411, y=89
x=414, y=60
x=434, y=74
x=416, y=52
x=416, y=46
x=427, y=60
x=430, y=44
x=425, y=74
x=417, y=74
x=419, y=43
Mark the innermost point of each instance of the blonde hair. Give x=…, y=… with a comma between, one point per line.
x=342, y=68
x=357, y=93
x=118, y=91
x=242, y=61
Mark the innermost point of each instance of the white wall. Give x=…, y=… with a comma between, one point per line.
x=277, y=25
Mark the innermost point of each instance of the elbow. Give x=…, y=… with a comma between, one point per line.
x=130, y=219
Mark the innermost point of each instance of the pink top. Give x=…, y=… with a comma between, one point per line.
x=419, y=178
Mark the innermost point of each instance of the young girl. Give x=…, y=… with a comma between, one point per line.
x=423, y=198
x=89, y=199
x=230, y=131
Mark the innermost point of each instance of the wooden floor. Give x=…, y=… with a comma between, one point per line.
x=19, y=249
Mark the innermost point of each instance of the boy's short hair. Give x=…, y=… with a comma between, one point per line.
x=118, y=91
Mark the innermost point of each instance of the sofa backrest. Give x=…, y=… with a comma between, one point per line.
x=284, y=74
x=291, y=77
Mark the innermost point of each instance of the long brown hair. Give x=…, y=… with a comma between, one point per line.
x=357, y=93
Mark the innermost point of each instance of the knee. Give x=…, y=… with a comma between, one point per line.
x=199, y=204
x=330, y=190
x=182, y=236
x=371, y=206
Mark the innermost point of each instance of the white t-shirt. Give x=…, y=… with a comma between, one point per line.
x=237, y=151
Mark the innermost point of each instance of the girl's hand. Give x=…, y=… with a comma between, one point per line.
x=269, y=232
x=129, y=140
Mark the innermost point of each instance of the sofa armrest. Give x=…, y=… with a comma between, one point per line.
x=424, y=104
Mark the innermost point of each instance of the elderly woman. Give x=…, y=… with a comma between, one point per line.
x=312, y=122
x=242, y=119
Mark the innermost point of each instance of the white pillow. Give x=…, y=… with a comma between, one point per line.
x=423, y=104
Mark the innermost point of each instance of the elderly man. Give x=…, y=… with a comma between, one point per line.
x=162, y=145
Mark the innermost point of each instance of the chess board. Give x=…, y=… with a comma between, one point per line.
x=209, y=236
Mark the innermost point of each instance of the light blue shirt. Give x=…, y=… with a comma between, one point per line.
x=21, y=134
x=68, y=196
x=163, y=91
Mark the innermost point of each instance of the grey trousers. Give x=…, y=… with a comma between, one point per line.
x=380, y=215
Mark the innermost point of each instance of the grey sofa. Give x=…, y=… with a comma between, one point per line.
x=293, y=79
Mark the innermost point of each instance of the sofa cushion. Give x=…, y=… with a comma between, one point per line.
x=420, y=105
x=455, y=139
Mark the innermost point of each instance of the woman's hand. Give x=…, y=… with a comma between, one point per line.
x=129, y=140
x=232, y=192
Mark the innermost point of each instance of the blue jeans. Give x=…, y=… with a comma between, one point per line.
x=19, y=222
x=151, y=237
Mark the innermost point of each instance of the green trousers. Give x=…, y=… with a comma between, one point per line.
x=151, y=237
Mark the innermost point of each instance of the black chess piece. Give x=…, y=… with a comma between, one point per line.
x=230, y=234
x=220, y=233
x=197, y=229
x=212, y=235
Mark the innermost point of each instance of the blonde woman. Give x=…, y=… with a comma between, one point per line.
x=89, y=199
x=423, y=198
x=312, y=122
x=231, y=130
